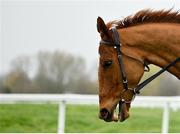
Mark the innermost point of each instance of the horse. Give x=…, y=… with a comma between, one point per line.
x=147, y=37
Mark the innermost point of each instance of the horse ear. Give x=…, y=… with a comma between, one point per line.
x=102, y=28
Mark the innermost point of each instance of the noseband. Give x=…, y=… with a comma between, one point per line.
x=136, y=90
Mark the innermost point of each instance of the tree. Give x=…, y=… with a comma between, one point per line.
x=17, y=80
x=56, y=72
x=2, y=89
x=60, y=72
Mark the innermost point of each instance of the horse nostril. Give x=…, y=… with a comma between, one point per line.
x=104, y=113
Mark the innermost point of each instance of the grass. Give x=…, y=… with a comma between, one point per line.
x=28, y=118
x=87, y=118
x=79, y=118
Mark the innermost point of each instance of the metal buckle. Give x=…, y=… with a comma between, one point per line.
x=125, y=81
x=146, y=68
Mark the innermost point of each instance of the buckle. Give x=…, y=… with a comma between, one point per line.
x=125, y=81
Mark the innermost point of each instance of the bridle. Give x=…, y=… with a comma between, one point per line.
x=136, y=90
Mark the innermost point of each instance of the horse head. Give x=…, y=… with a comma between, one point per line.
x=111, y=89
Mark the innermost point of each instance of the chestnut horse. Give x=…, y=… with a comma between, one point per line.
x=148, y=37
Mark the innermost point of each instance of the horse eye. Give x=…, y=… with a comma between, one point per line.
x=107, y=64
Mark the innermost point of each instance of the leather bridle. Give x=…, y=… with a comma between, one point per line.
x=136, y=90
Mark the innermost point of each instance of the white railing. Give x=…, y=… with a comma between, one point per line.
x=62, y=99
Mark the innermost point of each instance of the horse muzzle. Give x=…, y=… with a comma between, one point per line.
x=107, y=116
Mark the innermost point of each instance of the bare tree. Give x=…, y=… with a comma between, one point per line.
x=17, y=80
x=56, y=72
x=60, y=72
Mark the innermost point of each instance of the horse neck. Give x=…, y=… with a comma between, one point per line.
x=157, y=44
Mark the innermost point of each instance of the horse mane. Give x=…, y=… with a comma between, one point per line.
x=148, y=16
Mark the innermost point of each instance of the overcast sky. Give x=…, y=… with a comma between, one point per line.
x=29, y=26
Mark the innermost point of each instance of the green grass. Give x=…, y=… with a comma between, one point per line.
x=28, y=118
x=142, y=120
x=79, y=118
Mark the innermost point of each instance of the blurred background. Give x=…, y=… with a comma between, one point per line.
x=51, y=47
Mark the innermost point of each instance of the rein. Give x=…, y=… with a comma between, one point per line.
x=136, y=90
